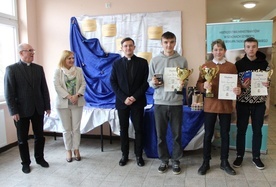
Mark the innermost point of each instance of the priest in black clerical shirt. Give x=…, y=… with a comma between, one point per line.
x=28, y=99
x=129, y=83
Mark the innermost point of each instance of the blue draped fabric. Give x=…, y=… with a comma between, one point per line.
x=96, y=66
x=149, y=95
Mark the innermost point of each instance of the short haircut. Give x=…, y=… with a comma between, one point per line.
x=168, y=35
x=251, y=39
x=127, y=39
x=220, y=43
x=21, y=46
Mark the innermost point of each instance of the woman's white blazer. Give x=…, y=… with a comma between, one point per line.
x=61, y=89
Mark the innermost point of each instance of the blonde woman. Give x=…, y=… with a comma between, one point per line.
x=70, y=86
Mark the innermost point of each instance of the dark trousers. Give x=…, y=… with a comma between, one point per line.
x=257, y=112
x=165, y=115
x=22, y=127
x=137, y=116
x=209, y=127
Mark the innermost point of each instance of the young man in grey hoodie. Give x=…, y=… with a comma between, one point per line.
x=168, y=105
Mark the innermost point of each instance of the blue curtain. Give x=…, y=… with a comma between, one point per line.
x=96, y=66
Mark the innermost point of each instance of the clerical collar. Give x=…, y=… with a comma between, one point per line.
x=128, y=58
x=219, y=62
x=26, y=63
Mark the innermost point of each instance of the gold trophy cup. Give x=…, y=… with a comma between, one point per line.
x=209, y=74
x=270, y=72
x=182, y=75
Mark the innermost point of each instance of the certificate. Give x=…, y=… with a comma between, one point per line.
x=170, y=79
x=226, y=84
x=257, y=87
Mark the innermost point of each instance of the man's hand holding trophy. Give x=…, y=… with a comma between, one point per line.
x=208, y=74
x=182, y=75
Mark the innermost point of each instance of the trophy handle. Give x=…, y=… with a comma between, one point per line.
x=201, y=71
x=270, y=72
x=216, y=71
x=200, y=68
x=191, y=71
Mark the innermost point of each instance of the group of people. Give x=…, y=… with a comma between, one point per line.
x=246, y=106
x=168, y=106
x=28, y=99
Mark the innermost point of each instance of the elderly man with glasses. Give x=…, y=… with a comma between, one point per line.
x=27, y=97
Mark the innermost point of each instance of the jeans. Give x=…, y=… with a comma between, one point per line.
x=257, y=112
x=209, y=127
x=169, y=115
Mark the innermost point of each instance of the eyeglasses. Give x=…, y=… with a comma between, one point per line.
x=29, y=50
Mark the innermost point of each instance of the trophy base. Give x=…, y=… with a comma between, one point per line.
x=178, y=91
x=209, y=95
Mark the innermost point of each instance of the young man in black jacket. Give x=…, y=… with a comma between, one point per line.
x=248, y=105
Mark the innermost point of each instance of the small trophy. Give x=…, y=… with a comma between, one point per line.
x=183, y=75
x=209, y=74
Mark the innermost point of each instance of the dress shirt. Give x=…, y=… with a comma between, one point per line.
x=219, y=62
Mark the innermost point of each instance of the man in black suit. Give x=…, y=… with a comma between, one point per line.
x=27, y=97
x=129, y=83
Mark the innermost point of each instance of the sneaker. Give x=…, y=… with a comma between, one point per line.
x=238, y=162
x=163, y=167
x=258, y=163
x=176, y=169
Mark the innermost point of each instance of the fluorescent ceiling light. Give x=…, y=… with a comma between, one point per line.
x=250, y=4
x=236, y=20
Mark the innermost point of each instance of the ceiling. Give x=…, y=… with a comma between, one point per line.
x=226, y=10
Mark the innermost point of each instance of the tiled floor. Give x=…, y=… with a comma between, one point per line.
x=102, y=169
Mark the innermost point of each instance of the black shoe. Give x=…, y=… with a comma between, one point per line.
x=176, y=169
x=43, y=163
x=140, y=161
x=78, y=158
x=227, y=168
x=204, y=168
x=123, y=161
x=26, y=169
x=237, y=163
x=163, y=167
x=258, y=163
